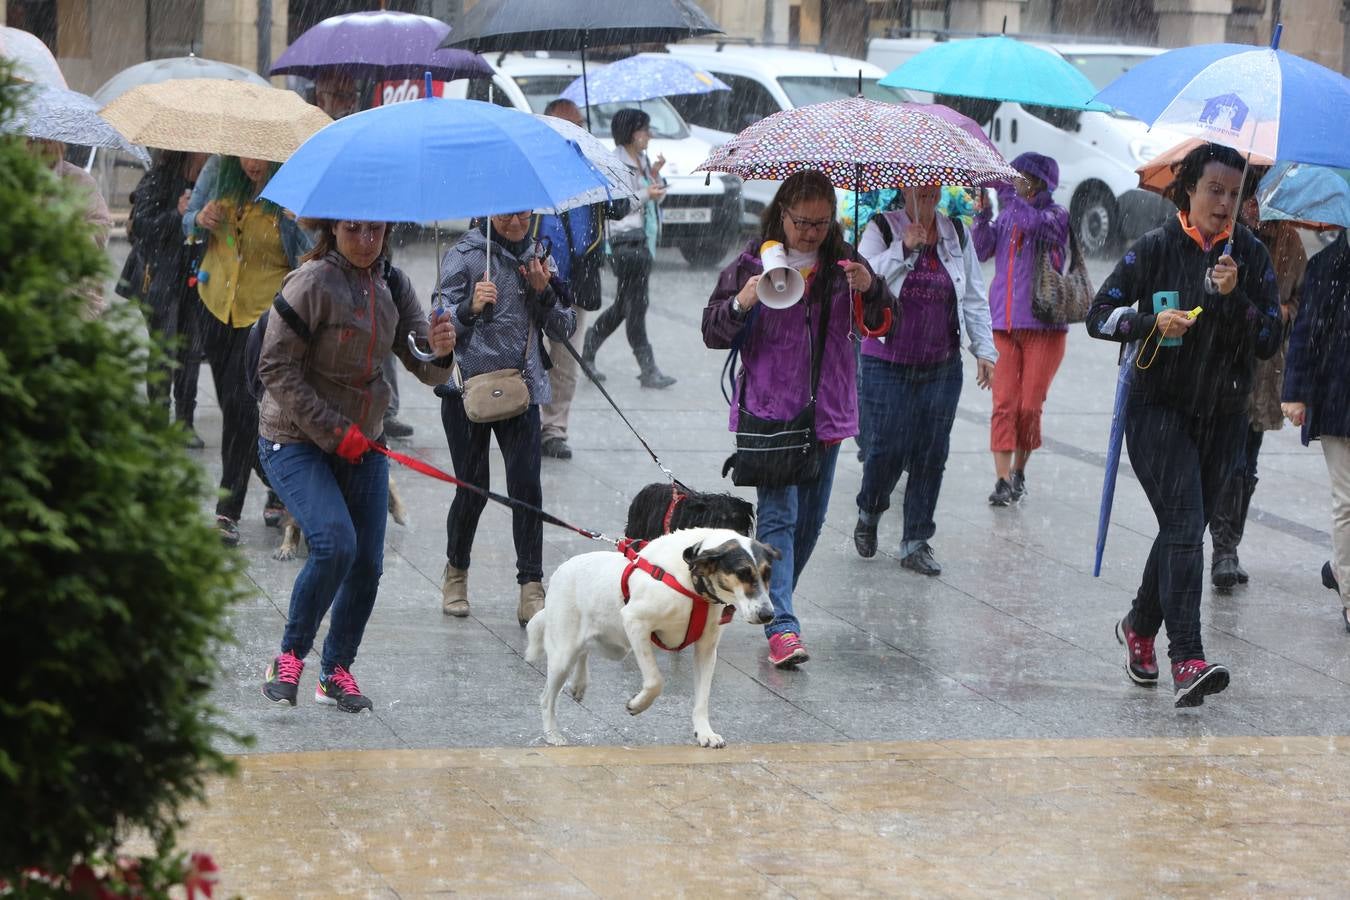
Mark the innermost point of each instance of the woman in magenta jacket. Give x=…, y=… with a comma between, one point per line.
x=1029, y=225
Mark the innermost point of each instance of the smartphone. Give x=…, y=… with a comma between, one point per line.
x=1167, y=300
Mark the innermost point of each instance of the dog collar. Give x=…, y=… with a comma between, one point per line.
x=698, y=612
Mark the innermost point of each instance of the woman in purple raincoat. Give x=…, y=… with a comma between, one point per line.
x=775, y=381
x=1029, y=226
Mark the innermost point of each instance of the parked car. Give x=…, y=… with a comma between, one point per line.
x=701, y=216
x=763, y=81
x=1097, y=151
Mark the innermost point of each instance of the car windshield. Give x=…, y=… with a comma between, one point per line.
x=804, y=90
x=540, y=90
x=1103, y=68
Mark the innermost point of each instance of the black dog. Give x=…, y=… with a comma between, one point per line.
x=662, y=508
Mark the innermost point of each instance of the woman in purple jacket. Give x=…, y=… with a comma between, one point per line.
x=775, y=381
x=1029, y=225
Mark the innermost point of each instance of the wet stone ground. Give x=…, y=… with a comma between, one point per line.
x=1013, y=640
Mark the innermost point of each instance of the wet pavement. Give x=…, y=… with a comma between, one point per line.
x=1012, y=643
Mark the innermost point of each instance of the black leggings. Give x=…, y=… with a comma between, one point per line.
x=632, y=267
x=224, y=348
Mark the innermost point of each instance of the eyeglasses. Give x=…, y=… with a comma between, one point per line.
x=506, y=217
x=808, y=224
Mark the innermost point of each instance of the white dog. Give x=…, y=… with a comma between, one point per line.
x=584, y=611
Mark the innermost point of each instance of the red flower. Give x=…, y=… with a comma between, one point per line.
x=201, y=876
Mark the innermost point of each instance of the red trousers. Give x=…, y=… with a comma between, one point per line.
x=1027, y=362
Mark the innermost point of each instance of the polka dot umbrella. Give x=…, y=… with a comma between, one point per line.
x=864, y=145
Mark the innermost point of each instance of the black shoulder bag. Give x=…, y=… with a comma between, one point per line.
x=776, y=452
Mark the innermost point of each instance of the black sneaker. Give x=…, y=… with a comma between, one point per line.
x=229, y=531
x=556, y=447
x=273, y=510
x=865, y=539
x=1329, y=577
x=1195, y=678
x=339, y=689
x=1018, y=482
x=1223, y=574
x=922, y=561
x=1003, y=493
x=396, y=429
x=283, y=678
x=194, y=440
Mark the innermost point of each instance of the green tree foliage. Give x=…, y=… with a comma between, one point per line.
x=113, y=587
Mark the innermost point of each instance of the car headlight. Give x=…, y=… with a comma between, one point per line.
x=1144, y=151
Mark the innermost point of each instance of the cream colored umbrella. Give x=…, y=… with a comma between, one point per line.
x=212, y=115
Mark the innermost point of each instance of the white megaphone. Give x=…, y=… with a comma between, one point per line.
x=781, y=285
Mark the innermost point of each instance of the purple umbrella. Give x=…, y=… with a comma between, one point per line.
x=384, y=45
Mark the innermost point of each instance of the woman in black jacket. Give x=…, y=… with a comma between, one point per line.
x=1185, y=413
x=1317, y=393
x=157, y=207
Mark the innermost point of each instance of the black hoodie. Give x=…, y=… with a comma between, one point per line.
x=1210, y=373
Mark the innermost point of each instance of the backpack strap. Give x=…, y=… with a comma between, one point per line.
x=292, y=318
x=884, y=227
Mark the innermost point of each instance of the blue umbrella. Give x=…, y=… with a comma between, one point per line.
x=1255, y=99
x=642, y=77
x=997, y=68
x=1113, y=444
x=433, y=159
x=1302, y=193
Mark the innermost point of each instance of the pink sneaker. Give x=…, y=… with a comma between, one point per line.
x=786, y=650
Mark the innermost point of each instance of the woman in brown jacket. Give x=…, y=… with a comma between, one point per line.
x=321, y=365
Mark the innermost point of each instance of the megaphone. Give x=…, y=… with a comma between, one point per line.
x=781, y=285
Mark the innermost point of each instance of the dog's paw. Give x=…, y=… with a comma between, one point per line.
x=641, y=700
x=555, y=739
x=284, y=554
x=578, y=692
x=710, y=739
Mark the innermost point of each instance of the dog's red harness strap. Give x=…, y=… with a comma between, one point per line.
x=676, y=498
x=698, y=612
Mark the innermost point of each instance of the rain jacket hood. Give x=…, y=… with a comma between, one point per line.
x=1038, y=166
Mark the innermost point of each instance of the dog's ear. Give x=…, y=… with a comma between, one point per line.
x=691, y=552
x=770, y=551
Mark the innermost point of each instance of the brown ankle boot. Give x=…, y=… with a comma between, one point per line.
x=531, y=601
x=455, y=591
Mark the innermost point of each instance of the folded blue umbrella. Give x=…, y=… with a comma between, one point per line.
x=1254, y=99
x=642, y=77
x=430, y=159
x=1113, y=446
x=1301, y=193
x=997, y=68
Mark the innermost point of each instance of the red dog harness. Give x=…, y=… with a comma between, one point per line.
x=677, y=497
x=698, y=613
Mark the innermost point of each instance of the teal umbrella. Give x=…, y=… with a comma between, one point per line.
x=997, y=68
x=1304, y=193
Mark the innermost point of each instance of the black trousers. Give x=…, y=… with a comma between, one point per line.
x=1230, y=510
x=520, y=442
x=224, y=349
x=174, y=320
x=632, y=268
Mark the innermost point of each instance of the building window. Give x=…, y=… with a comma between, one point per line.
x=173, y=29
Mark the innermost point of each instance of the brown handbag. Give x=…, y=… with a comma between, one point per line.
x=499, y=394
x=1062, y=299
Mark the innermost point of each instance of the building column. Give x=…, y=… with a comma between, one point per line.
x=1182, y=23
x=986, y=16
x=230, y=30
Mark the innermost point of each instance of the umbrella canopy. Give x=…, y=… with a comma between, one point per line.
x=1156, y=174
x=31, y=58
x=997, y=68
x=864, y=145
x=620, y=182
x=1250, y=98
x=208, y=115
x=551, y=25
x=433, y=159
x=642, y=77
x=156, y=70
x=379, y=45
x=1301, y=193
x=56, y=114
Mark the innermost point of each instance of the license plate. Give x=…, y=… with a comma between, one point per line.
x=692, y=215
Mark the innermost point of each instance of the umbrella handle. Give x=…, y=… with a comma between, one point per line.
x=418, y=352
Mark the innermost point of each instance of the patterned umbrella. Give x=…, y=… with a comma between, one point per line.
x=621, y=184
x=864, y=145
x=642, y=77
x=56, y=114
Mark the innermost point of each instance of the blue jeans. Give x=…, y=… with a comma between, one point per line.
x=520, y=441
x=341, y=509
x=910, y=411
x=1183, y=464
x=789, y=520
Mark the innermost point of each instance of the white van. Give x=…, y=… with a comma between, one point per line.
x=1097, y=152
x=701, y=216
x=763, y=81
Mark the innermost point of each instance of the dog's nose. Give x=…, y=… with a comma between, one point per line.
x=763, y=615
